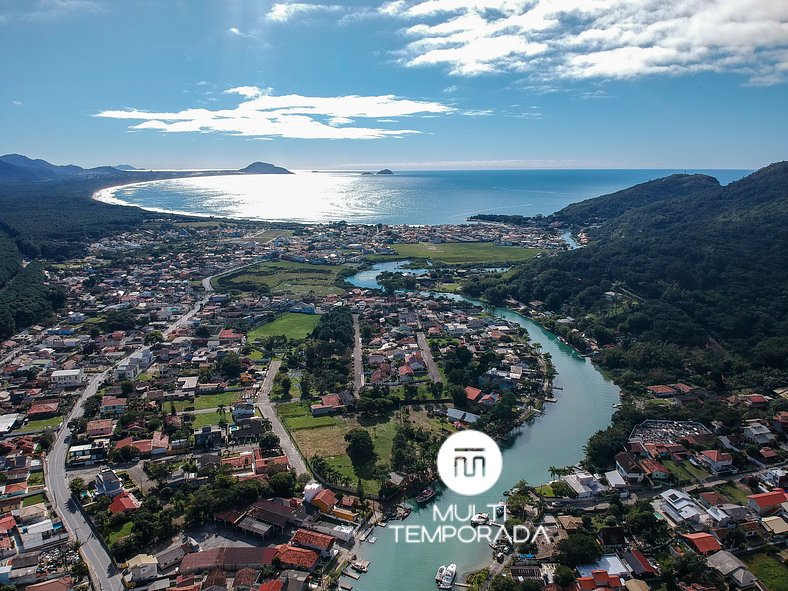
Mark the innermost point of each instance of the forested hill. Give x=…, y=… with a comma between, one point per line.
x=709, y=264
x=607, y=207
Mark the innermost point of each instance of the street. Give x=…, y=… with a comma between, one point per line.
x=269, y=412
x=426, y=353
x=104, y=574
x=358, y=362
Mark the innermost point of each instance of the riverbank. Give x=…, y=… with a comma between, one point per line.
x=584, y=405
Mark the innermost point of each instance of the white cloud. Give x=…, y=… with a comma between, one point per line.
x=264, y=115
x=286, y=11
x=603, y=39
x=17, y=103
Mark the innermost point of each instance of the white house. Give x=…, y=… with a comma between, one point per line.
x=143, y=567
x=717, y=461
x=67, y=378
x=758, y=433
x=680, y=507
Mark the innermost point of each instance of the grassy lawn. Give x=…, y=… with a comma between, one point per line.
x=679, y=470
x=204, y=401
x=209, y=418
x=289, y=324
x=272, y=233
x=41, y=424
x=36, y=479
x=285, y=277
x=457, y=253
x=769, y=570
x=344, y=466
x=545, y=490
x=39, y=498
x=699, y=473
x=296, y=417
x=118, y=532
x=309, y=422
x=734, y=493
x=329, y=442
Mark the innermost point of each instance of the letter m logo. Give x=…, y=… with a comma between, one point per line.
x=469, y=462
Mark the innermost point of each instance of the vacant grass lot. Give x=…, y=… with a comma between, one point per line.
x=204, y=401
x=120, y=531
x=209, y=418
x=271, y=233
x=33, y=500
x=329, y=441
x=458, y=253
x=734, y=493
x=289, y=324
x=297, y=416
x=769, y=570
x=285, y=277
x=41, y=424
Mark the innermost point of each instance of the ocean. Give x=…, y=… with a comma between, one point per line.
x=423, y=197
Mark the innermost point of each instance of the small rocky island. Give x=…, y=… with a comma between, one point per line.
x=384, y=171
x=264, y=168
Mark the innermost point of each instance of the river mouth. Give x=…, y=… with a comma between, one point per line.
x=557, y=438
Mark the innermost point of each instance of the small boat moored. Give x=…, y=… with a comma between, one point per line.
x=426, y=495
x=480, y=519
x=439, y=574
x=500, y=509
x=448, y=577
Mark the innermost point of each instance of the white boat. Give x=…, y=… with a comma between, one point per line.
x=500, y=509
x=448, y=577
x=372, y=540
x=480, y=519
x=439, y=574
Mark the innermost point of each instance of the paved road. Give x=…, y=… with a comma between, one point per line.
x=103, y=573
x=358, y=362
x=269, y=412
x=426, y=353
x=102, y=570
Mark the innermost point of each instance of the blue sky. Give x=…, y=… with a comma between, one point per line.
x=405, y=84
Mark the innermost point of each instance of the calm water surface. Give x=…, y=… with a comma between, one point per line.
x=585, y=405
x=425, y=197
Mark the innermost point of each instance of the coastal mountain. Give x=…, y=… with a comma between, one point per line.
x=264, y=168
x=16, y=167
x=126, y=167
x=700, y=272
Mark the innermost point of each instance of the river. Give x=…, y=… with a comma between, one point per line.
x=585, y=405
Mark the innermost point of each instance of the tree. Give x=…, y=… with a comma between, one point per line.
x=230, y=366
x=502, y=583
x=286, y=383
x=305, y=385
x=283, y=484
x=76, y=486
x=154, y=337
x=360, y=447
x=268, y=441
x=126, y=388
x=160, y=472
x=564, y=576
x=578, y=549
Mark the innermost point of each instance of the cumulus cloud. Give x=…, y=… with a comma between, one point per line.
x=603, y=39
x=263, y=115
x=285, y=11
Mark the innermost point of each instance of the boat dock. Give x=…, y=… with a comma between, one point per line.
x=344, y=586
x=352, y=575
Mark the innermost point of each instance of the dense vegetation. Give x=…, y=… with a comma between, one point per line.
x=701, y=272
